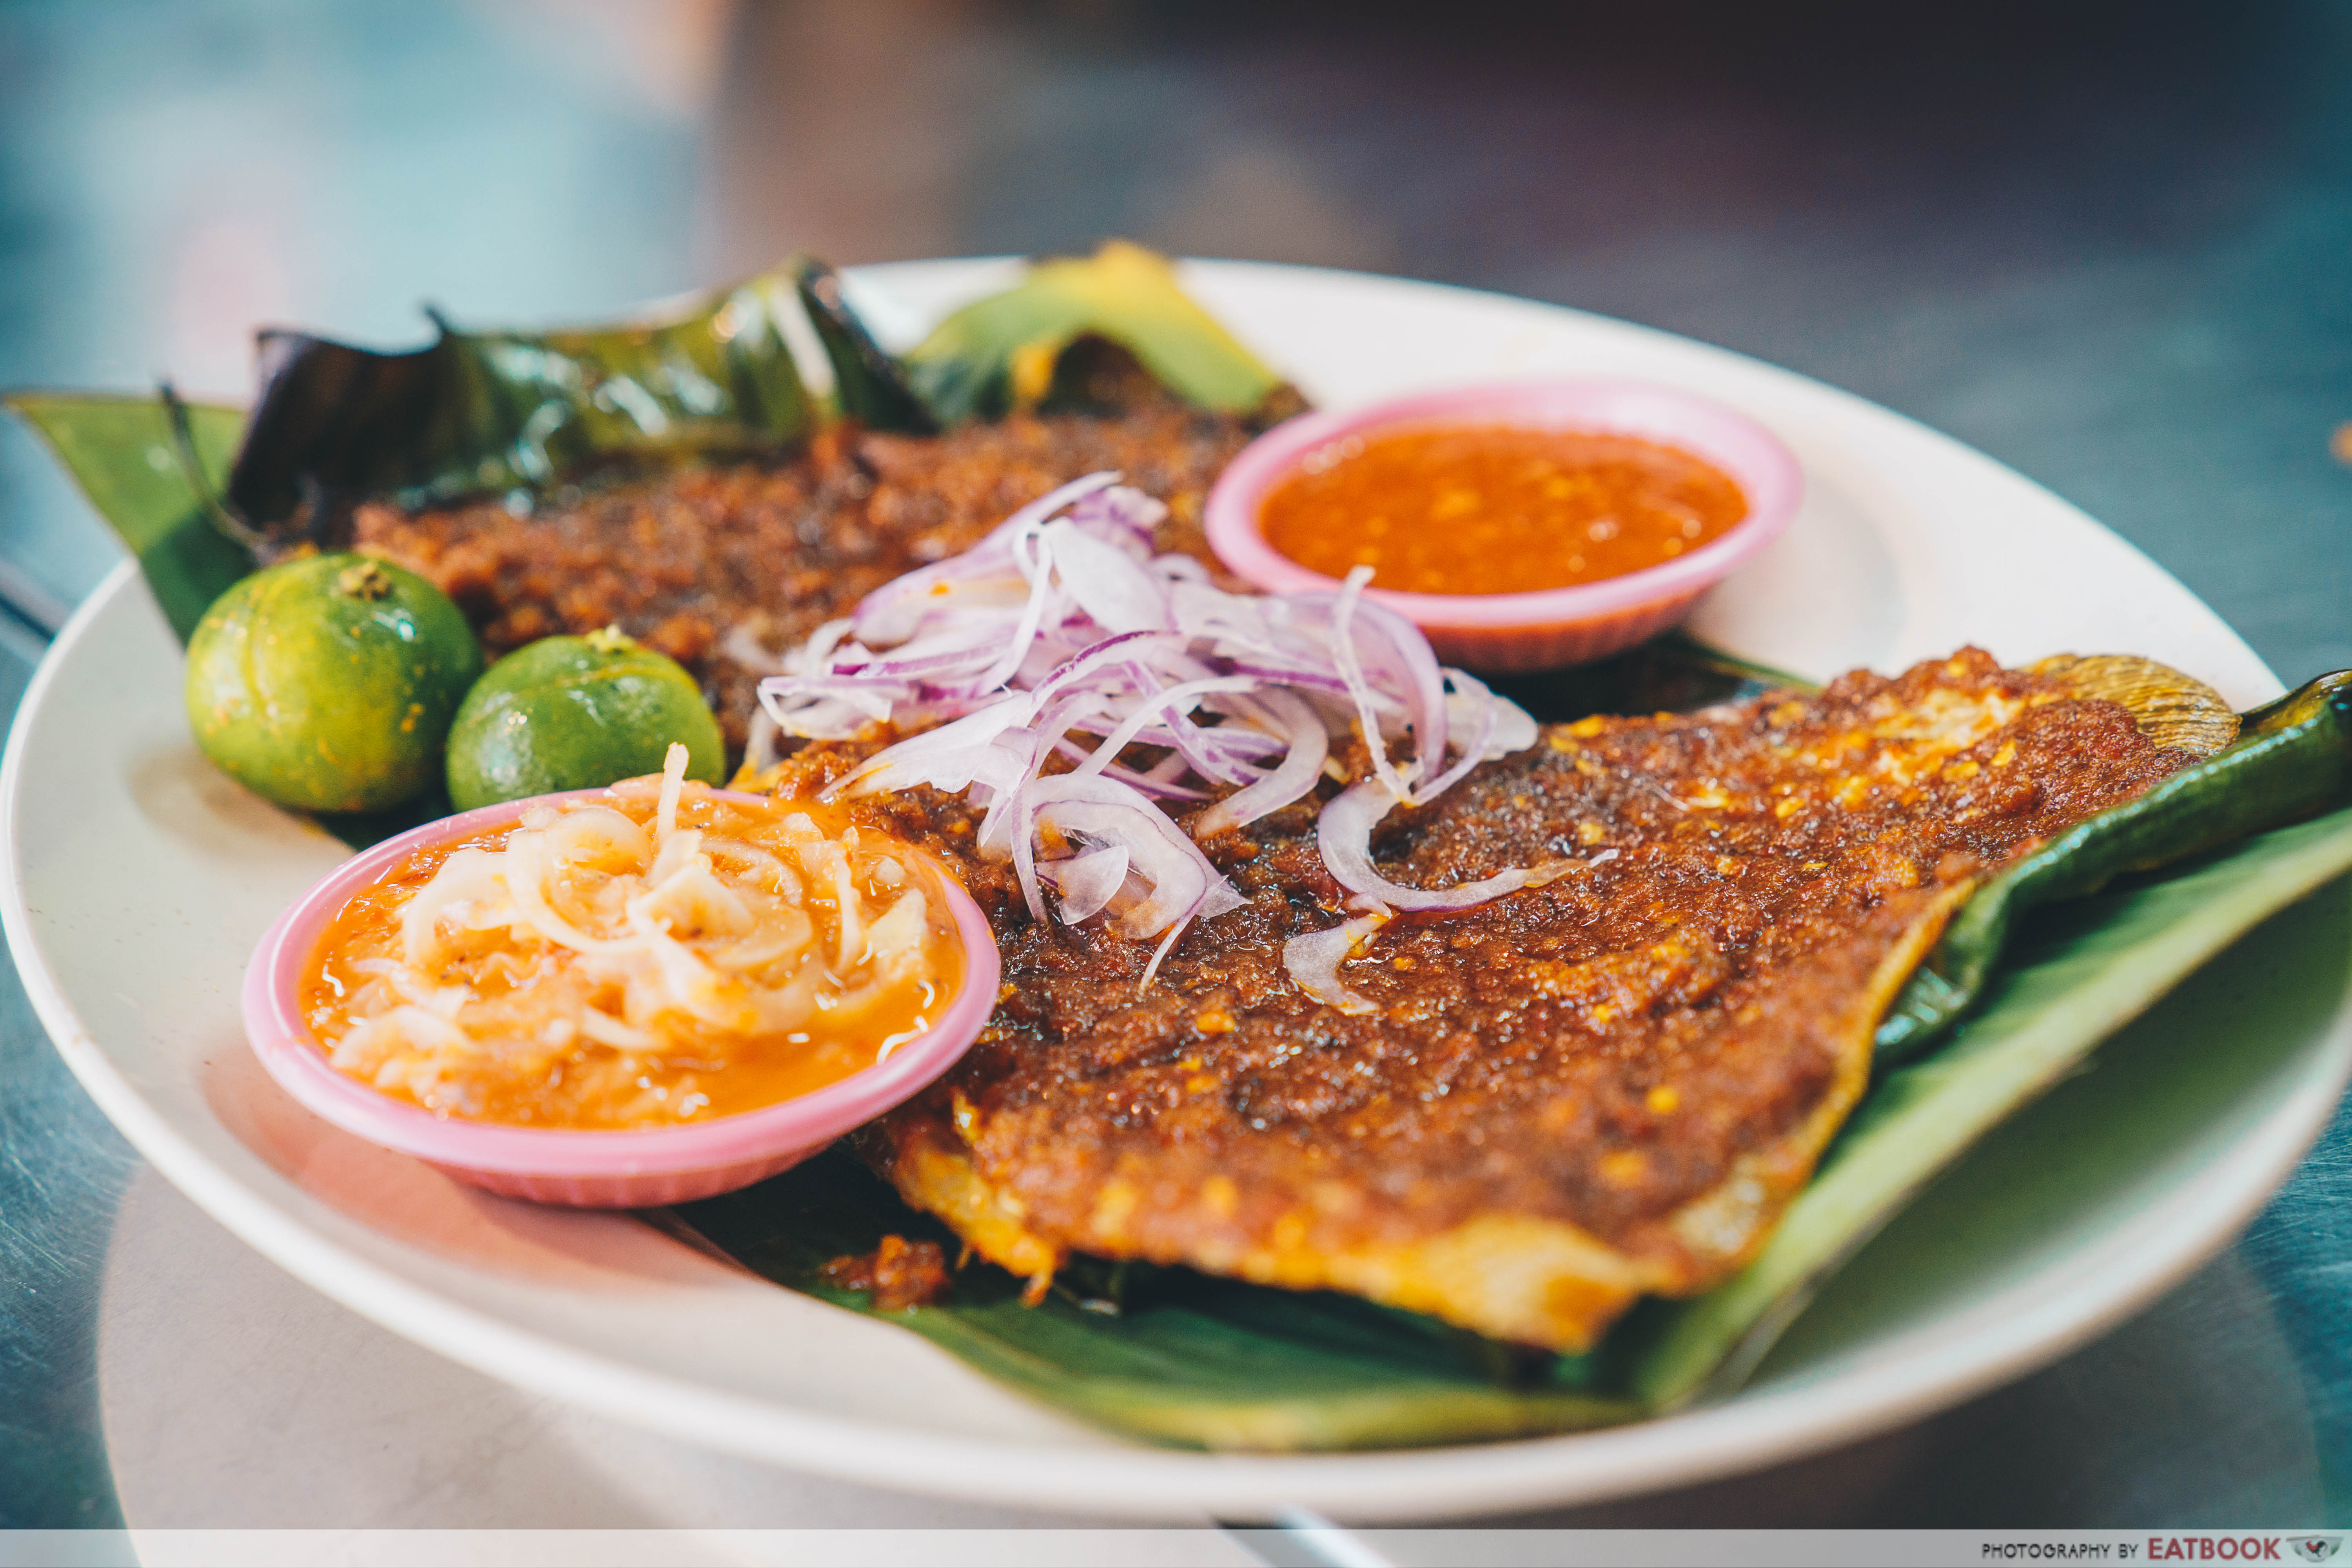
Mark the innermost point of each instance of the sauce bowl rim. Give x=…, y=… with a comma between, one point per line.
x=1766, y=470
x=294, y=1056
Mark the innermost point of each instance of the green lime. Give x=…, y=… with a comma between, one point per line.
x=328, y=683
x=577, y=713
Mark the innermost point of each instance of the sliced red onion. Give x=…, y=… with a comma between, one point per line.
x=1314, y=961
x=1487, y=721
x=1270, y=675
x=914, y=660
x=1060, y=624
x=1167, y=701
x=1402, y=657
x=1167, y=943
x=1158, y=789
x=1086, y=881
x=1202, y=610
x=1025, y=632
x=1102, y=811
x=1122, y=515
x=1005, y=772
x=1310, y=743
x=1115, y=592
x=1344, y=834
x=1119, y=647
x=1351, y=669
x=1231, y=745
x=946, y=758
x=818, y=708
x=1515, y=727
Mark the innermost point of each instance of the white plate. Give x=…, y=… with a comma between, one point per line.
x=142, y=878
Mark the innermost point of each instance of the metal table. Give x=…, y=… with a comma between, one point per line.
x=2107, y=246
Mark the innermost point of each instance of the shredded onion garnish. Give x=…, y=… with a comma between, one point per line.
x=1062, y=624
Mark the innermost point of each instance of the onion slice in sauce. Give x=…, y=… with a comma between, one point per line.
x=1314, y=961
x=1344, y=833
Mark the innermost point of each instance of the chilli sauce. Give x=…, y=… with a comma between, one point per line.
x=1496, y=508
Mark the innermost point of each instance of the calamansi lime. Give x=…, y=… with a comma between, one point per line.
x=329, y=683
x=569, y=712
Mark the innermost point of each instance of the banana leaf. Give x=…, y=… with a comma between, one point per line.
x=2078, y=977
x=1184, y=1358
x=868, y=385
x=1188, y=1359
x=1001, y=355
x=500, y=412
x=2294, y=757
x=478, y=413
x=154, y=467
x=475, y=412
x=151, y=475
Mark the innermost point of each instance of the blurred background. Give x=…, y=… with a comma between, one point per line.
x=2106, y=241
x=2109, y=243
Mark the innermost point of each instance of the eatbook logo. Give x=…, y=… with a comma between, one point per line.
x=2317, y=1548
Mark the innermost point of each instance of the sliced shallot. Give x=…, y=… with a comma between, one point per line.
x=1061, y=638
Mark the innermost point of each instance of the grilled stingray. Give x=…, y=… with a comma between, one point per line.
x=1565, y=1098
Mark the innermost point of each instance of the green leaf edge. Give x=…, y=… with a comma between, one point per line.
x=120, y=450
x=1921, y=1117
x=968, y=366
x=2294, y=758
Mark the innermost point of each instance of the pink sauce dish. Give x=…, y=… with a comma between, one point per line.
x=1546, y=628
x=592, y=1167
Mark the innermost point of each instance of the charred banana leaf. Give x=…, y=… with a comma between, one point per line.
x=476, y=412
x=495, y=412
x=488, y=412
x=868, y=385
x=1002, y=354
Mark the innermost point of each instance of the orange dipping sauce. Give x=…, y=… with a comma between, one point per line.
x=1496, y=508
x=637, y=959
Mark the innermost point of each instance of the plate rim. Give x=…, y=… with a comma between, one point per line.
x=1747, y=1432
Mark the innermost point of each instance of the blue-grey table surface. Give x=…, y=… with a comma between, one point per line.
x=2110, y=244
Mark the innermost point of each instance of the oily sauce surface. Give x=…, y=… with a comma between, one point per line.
x=1496, y=508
